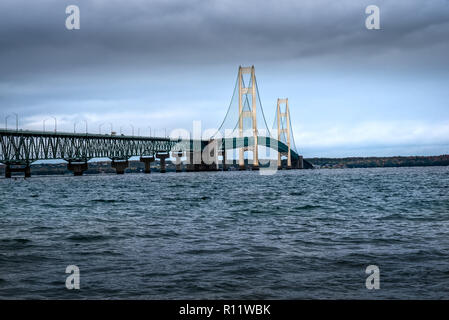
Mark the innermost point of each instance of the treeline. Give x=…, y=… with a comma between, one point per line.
x=371, y=162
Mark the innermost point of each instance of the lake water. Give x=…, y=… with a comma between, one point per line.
x=234, y=235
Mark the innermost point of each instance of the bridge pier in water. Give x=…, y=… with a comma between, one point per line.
x=241, y=159
x=193, y=161
x=255, y=166
x=162, y=157
x=120, y=165
x=196, y=163
x=26, y=169
x=223, y=154
x=209, y=157
x=178, y=162
x=147, y=161
x=77, y=167
x=300, y=163
x=292, y=164
x=246, y=164
x=207, y=167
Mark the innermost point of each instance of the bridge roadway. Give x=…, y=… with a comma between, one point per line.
x=20, y=148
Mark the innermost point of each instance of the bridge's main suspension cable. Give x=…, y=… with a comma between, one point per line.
x=229, y=107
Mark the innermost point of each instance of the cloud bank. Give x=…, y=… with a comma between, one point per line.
x=164, y=64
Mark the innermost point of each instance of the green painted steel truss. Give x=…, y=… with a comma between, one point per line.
x=235, y=143
x=25, y=147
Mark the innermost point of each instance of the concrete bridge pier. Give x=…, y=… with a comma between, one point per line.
x=196, y=163
x=223, y=154
x=287, y=164
x=162, y=157
x=193, y=161
x=120, y=165
x=147, y=161
x=77, y=167
x=189, y=165
x=300, y=163
x=27, y=171
x=207, y=167
x=297, y=164
x=209, y=159
x=9, y=170
x=178, y=162
x=280, y=160
x=243, y=164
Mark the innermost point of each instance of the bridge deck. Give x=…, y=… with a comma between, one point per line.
x=23, y=146
x=29, y=133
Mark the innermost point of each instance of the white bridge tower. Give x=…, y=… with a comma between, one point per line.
x=281, y=129
x=244, y=92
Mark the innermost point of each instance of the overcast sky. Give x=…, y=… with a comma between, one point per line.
x=163, y=64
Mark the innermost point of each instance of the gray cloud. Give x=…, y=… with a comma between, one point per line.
x=136, y=34
x=152, y=57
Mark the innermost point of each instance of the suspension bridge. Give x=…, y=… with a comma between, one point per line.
x=242, y=130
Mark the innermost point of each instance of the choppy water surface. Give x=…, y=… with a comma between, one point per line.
x=296, y=234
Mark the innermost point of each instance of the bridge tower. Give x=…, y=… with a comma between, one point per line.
x=286, y=130
x=252, y=114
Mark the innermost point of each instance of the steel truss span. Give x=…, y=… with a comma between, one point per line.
x=24, y=147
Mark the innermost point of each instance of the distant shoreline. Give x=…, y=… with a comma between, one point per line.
x=380, y=162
